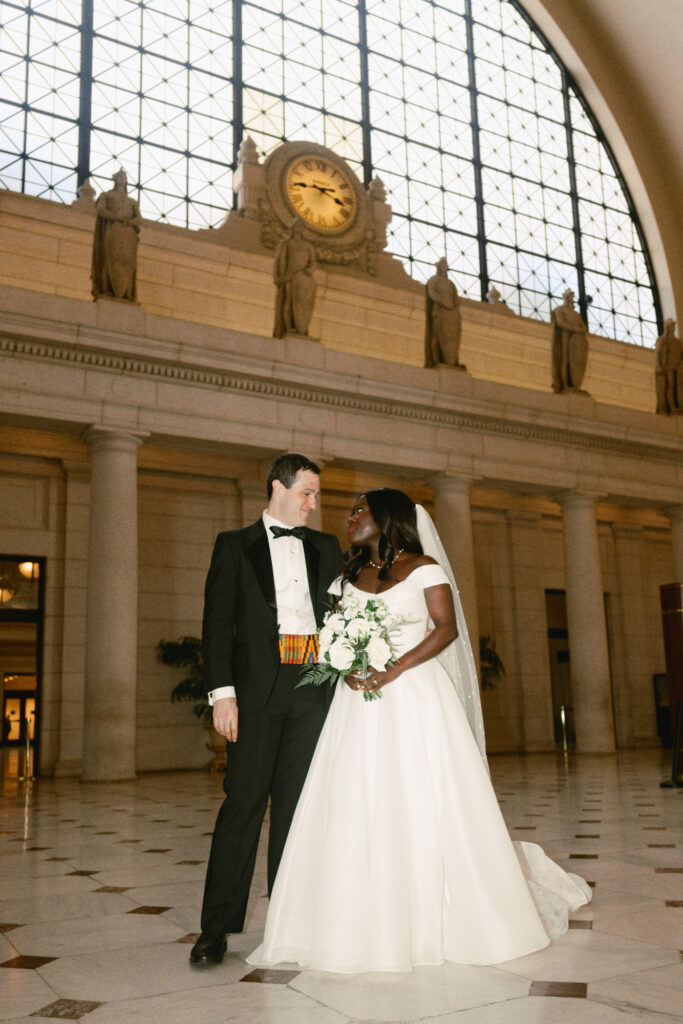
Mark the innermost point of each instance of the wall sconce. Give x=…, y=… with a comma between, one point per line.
x=29, y=570
x=7, y=590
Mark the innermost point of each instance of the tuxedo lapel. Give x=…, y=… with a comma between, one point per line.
x=258, y=553
x=312, y=556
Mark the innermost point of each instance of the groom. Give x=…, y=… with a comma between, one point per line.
x=264, y=599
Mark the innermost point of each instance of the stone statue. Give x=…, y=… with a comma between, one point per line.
x=293, y=275
x=443, y=323
x=669, y=370
x=570, y=346
x=493, y=297
x=114, y=254
x=86, y=198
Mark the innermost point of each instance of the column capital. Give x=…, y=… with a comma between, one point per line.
x=321, y=461
x=520, y=517
x=674, y=513
x=451, y=483
x=577, y=499
x=76, y=469
x=627, y=530
x=104, y=438
x=251, y=489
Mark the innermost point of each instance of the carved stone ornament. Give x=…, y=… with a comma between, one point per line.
x=669, y=371
x=345, y=224
x=569, y=346
x=376, y=190
x=248, y=151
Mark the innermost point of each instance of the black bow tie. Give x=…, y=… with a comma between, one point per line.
x=297, y=531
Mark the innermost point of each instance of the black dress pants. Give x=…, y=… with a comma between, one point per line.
x=270, y=758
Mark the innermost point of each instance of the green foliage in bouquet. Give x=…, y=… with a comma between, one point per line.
x=353, y=638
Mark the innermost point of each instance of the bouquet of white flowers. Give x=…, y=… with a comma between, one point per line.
x=353, y=638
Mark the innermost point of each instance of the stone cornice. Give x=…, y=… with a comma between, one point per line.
x=88, y=355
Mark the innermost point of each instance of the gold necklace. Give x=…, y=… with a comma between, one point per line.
x=375, y=566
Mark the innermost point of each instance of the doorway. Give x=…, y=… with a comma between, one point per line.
x=560, y=677
x=22, y=590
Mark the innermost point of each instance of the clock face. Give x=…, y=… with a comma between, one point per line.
x=321, y=193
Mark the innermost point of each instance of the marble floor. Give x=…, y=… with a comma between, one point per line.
x=100, y=887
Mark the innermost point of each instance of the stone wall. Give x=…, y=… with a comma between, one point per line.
x=194, y=373
x=184, y=276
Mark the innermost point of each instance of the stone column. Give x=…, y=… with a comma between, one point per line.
x=675, y=514
x=634, y=711
x=111, y=607
x=253, y=500
x=588, y=650
x=315, y=520
x=77, y=499
x=453, y=518
x=530, y=633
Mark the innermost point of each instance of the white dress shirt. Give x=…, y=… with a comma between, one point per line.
x=293, y=598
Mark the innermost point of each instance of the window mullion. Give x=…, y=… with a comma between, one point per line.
x=237, y=86
x=476, y=153
x=365, y=91
x=85, y=98
x=574, y=196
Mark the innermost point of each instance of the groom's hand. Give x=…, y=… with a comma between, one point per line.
x=225, y=718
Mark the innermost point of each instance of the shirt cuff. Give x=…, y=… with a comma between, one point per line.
x=219, y=693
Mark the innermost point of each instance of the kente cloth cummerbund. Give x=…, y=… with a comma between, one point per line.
x=298, y=648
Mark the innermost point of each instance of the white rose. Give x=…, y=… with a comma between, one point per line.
x=350, y=610
x=341, y=655
x=325, y=638
x=357, y=627
x=335, y=623
x=379, y=653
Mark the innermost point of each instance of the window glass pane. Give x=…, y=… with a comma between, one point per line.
x=40, y=59
x=162, y=106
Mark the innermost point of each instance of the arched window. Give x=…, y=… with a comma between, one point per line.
x=487, y=149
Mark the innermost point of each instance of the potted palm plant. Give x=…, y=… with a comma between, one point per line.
x=492, y=668
x=186, y=653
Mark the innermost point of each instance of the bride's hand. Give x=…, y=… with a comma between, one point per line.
x=356, y=680
x=375, y=679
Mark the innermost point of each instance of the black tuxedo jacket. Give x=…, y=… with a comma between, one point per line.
x=240, y=629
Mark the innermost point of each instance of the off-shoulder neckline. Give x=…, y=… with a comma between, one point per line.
x=381, y=593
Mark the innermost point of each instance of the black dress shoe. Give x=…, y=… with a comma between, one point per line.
x=208, y=949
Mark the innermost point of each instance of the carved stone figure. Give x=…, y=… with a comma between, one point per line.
x=293, y=275
x=493, y=297
x=86, y=198
x=569, y=346
x=443, y=323
x=669, y=370
x=114, y=255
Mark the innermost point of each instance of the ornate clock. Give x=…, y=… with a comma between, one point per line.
x=346, y=224
x=309, y=181
x=320, y=190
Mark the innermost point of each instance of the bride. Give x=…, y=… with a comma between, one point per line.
x=398, y=854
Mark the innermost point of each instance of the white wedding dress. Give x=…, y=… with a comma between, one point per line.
x=398, y=854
